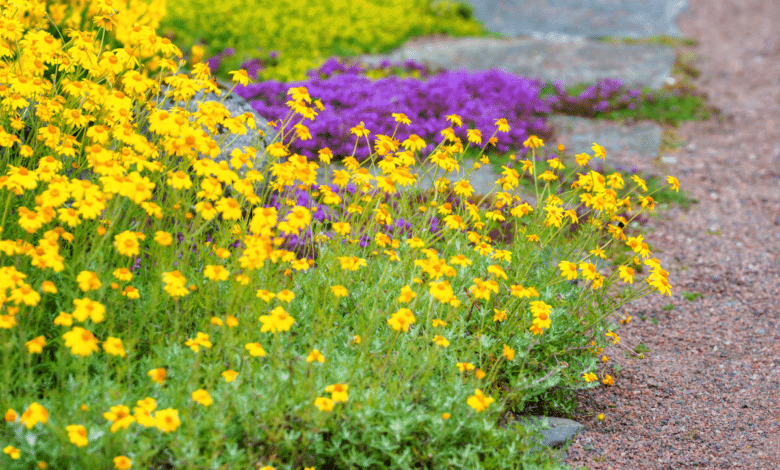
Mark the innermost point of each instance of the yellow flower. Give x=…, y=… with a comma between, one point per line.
x=231, y=321
x=81, y=342
x=241, y=76
x=509, y=353
x=120, y=417
x=465, y=366
x=77, y=435
x=315, y=355
x=401, y=320
x=615, y=338
x=406, y=294
x=163, y=238
x=673, y=183
x=414, y=143
x=35, y=346
x=285, y=295
x=114, y=347
x=479, y=401
x=255, y=349
x=86, y=308
x=499, y=315
x=126, y=243
x=351, y=263
x=229, y=375
x=278, y=320
x=13, y=452
x=601, y=416
x=582, y=159
x=626, y=274
x=265, y=295
x=339, y=291
x=589, y=377
x=608, y=380
x=441, y=341
x=324, y=404
x=122, y=463
x=34, y=414
x=445, y=416
x=201, y=396
x=599, y=151
x=201, y=339
x=568, y=270
x=167, y=420
x=10, y=415
x=88, y=281
x=360, y=130
x=338, y=392
x=454, y=119
x=533, y=142
x=503, y=126
x=402, y=118
x=7, y=321
x=158, y=375
x=438, y=322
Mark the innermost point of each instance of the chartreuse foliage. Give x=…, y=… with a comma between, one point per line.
x=161, y=310
x=305, y=33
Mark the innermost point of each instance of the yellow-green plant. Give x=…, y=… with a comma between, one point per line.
x=305, y=33
x=159, y=308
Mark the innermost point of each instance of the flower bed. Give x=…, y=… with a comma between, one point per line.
x=160, y=312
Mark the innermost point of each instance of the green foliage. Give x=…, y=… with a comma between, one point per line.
x=692, y=296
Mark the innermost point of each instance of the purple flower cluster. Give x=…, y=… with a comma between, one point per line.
x=603, y=97
x=480, y=98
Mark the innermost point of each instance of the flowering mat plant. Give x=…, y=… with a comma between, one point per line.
x=167, y=306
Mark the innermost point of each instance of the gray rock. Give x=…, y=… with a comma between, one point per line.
x=626, y=145
x=571, y=62
x=555, y=431
x=568, y=19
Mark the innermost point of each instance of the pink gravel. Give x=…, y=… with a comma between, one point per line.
x=708, y=393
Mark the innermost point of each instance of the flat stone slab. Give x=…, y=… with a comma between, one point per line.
x=569, y=19
x=626, y=145
x=570, y=62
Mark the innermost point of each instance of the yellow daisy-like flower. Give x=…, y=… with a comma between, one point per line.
x=34, y=414
x=255, y=349
x=229, y=375
x=77, y=435
x=35, y=346
x=167, y=420
x=201, y=396
x=158, y=375
x=533, y=142
x=323, y=403
x=338, y=392
x=441, y=341
x=339, y=291
x=114, y=347
x=479, y=401
x=508, y=352
x=315, y=355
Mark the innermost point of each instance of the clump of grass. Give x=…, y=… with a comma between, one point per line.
x=170, y=307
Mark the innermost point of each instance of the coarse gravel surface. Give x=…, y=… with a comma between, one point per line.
x=708, y=393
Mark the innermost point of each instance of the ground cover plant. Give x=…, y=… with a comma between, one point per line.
x=164, y=306
x=295, y=37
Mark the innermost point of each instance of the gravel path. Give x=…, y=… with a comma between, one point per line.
x=708, y=394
